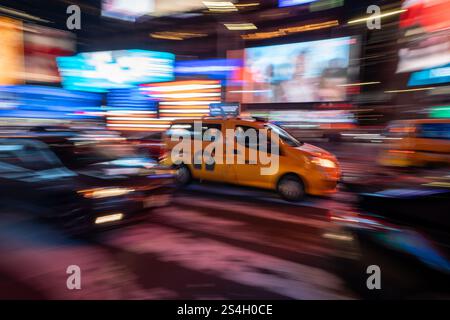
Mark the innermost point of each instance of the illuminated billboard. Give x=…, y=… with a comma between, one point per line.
x=42, y=102
x=101, y=71
x=184, y=99
x=130, y=10
x=425, y=42
x=298, y=72
x=430, y=76
x=131, y=109
x=42, y=46
x=11, y=51
x=127, y=10
x=168, y=7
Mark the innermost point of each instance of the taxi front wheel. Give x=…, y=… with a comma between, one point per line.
x=291, y=188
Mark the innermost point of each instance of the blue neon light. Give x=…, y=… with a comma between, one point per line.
x=220, y=69
x=430, y=76
x=130, y=99
x=289, y=3
x=26, y=101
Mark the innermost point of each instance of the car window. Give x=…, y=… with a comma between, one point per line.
x=180, y=127
x=247, y=136
x=285, y=136
x=399, y=130
x=83, y=156
x=434, y=131
x=17, y=155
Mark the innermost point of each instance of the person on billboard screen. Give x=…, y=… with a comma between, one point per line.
x=299, y=88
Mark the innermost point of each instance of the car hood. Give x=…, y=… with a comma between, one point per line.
x=122, y=171
x=314, y=151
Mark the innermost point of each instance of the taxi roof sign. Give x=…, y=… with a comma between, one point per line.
x=225, y=109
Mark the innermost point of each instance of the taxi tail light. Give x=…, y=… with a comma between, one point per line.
x=401, y=151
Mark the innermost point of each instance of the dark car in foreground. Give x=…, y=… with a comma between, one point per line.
x=105, y=191
x=404, y=232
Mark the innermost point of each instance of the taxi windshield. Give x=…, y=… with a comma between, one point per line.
x=285, y=136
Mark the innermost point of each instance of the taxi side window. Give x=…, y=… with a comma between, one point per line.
x=249, y=136
x=177, y=128
x=191, y=129
x=214, y=129
x=399, y=130
x=434, y=131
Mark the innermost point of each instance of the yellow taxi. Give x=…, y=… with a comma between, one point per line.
x=283, y=163
x=417, y=143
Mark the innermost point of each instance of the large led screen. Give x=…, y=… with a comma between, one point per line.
x=130, y=10
x=101, y=71
x=298, y=72
x=425, y=43
x=42, y=45
x=11, y=51
x=127, y=9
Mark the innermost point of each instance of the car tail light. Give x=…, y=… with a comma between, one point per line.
x=360, y=221
x=402, y=151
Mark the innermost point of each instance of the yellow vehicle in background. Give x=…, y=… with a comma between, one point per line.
x=301, y=168
x=417, y=143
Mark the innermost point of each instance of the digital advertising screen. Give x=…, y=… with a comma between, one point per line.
x=42, y=45
x=184, y=99
x=130, y=10
x=169, y=7
x=11, y=51
x=298, y=72
x=101, y=71
x=438, y=75
x=127, y=10
x=424, y=29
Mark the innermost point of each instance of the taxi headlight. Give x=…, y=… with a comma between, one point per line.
x=326, y=163
x=99, y=193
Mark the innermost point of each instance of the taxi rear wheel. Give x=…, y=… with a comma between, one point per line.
x=291, y=188
x=183, y=176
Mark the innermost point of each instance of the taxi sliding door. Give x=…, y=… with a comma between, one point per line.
x=248, y=148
